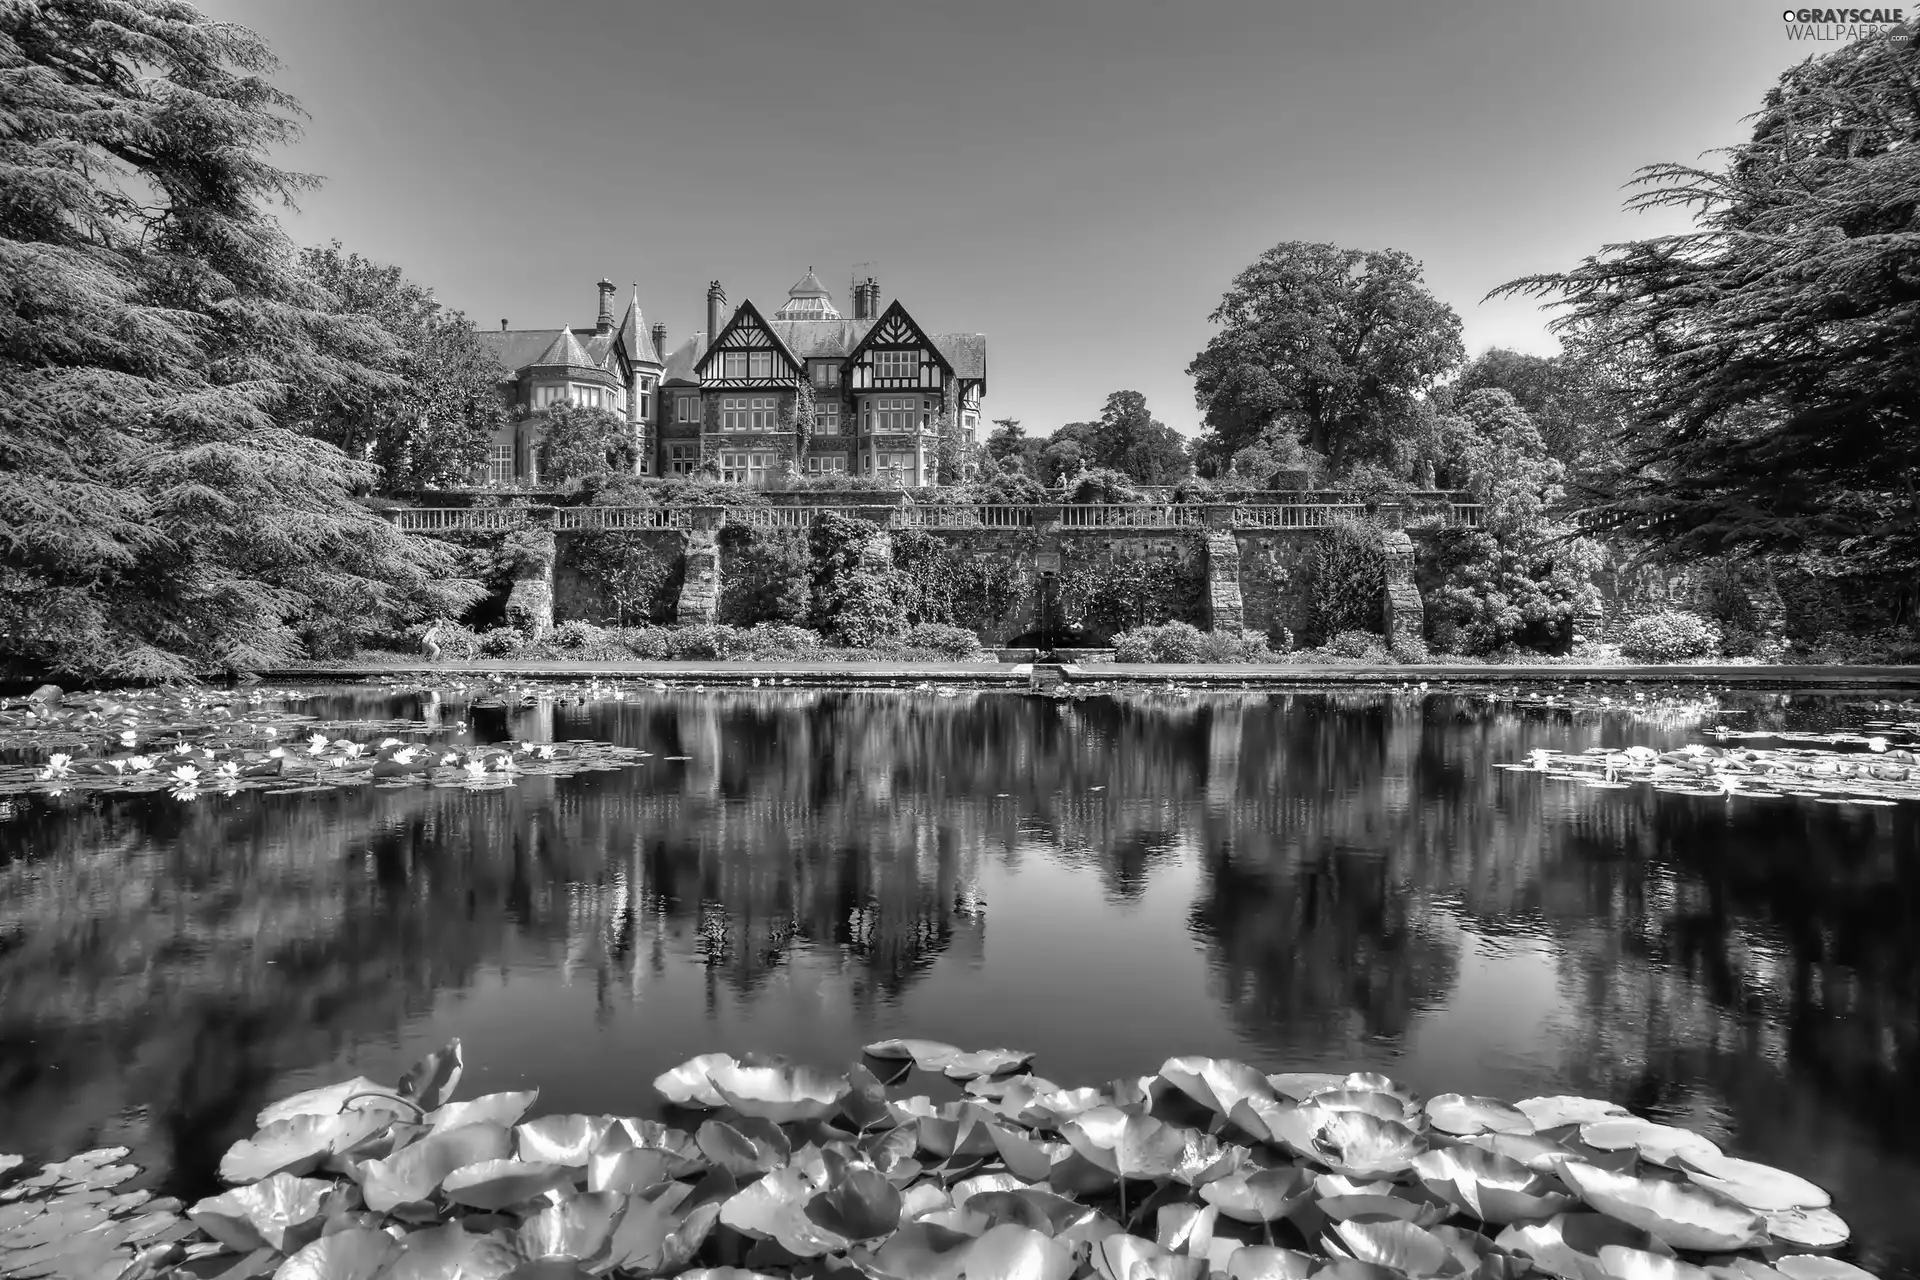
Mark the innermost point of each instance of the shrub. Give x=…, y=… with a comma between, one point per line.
x=763, y=575
x=1670, y=636
x=637, y=574
x=1347, y=577
x=456, y=642
x=1358, y=644
x=704, y=640
x=501, y=642
x=1409, y=650
x=950, y=642
x=1169, y=642
x=855, y=590
x=653, y=644
x=778, y=640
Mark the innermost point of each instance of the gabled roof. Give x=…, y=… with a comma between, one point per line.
x=965, y=352
x=741, y=314
x=680, y=363
x=895, y=310
x=515, y=349
x=818, y=339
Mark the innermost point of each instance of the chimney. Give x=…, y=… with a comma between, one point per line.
x=716, y=299
x=859, y=299
x=503, y=324
x=660, y=339
x=603, y=323
x=873, y=298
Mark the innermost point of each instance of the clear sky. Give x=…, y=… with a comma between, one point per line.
x=1077, y=180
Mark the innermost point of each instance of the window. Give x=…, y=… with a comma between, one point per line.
x=746, y=468
x=733, y=413
x=896, y=413
x=760, y=364
x=683, y=459
x=971, y=421
x=689, y=409
x=763, y=413
x=499, y=464
x=896, y=364
x=818, y=466
x=646, y=398
x=826, y=419
x=733, y=364
x=826, y=373
x=544, y=396
x=926, y=415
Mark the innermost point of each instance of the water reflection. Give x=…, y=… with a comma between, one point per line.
x=1298, y=879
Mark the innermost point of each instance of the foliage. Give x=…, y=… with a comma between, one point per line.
x=1110, y=593
x=940, y=638
x=611, y=489
x=1347, y=578
x=1276, y=448
x=1411, y=650
x=164, y=514
x=1367, y=646
x=1521, y=577
x=1774, y=407
x=1066, y=453
x=1102, y=486
x=1183, y=642
x=1009, y=484
x=1672, y=635
x=1371, y=483
x=1196, y=490
x=431, y=429
x=1010, y=443
x=577, y=443
x=856, y=592
x=501, y=642
x=1564, y=395
x=800, y=419
x=1130, y=440
x=763, y=575
x=637, y=574
x=1334, y=345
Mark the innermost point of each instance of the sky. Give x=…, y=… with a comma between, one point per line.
x=1078, y=180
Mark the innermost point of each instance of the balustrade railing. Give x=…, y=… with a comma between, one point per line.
x=1150, y=515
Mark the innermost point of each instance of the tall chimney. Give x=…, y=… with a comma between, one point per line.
x=859, y=299
x=873, y=298
x=660, y=339
x=503, y=324
x=716, y=299
x=603, y=323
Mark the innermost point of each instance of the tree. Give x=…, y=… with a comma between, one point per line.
x=161, y=514
x=1775, y=407
x=1565, y=396
x=433, y=428
x=1337, y=344
x=1067, y=452
x=578, y=444
x=1131, y=440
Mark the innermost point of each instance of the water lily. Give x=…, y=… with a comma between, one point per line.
x=57, y=764
x=1493, y=1188
x=475, y=769
x=1681, y=1214
x=316, y=744
x=139, y=764
x=1365, y=1146
x=227, y=769
x=186, y=775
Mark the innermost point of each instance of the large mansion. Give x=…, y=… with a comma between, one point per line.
x=880, y=385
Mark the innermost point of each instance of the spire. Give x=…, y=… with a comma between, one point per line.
x=633, y=330
x=808, y=300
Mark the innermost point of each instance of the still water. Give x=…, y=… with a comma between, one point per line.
x=1303, y=881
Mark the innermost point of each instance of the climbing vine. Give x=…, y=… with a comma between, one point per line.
x=763, y=575
x=942, y=582
x=638, y=575
x=1109, y=592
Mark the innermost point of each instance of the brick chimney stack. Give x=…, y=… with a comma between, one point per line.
x=716, y=299
x=503, y=324
x=660, y=339
x=603, y=323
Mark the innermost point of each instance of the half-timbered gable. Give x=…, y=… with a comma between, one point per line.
x=897, y=355
x=748, y=355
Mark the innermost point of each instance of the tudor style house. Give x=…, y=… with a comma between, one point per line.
x=602, y=365
x=880, y=387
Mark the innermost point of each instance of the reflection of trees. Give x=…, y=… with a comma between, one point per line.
x=182, y=957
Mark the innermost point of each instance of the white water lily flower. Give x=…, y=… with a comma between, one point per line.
x=186, y=775
x=476, y=768
x=352, y=749
x=278, y=753
x=405, y=755
x=1538, y=757
x=269, y=731
x=316, y=744
x=387, y=742
x=185, y=791
x=128, y=737
x=56, y=765
x=227, y=769
x=545, y=753
x=140, y=764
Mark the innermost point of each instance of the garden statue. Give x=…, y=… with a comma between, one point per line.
x=428, y=645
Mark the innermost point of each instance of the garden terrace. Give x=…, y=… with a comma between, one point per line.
x=915, y=515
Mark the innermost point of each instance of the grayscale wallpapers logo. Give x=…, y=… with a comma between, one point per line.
x=1839, y=25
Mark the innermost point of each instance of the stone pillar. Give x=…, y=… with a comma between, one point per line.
x=530, y=602
x=1225, y=609
x=1401, y=615
x=700, y=589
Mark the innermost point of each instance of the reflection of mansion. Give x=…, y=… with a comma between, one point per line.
x=881, y=388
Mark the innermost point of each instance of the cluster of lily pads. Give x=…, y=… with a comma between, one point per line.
x=1207, y=1170
x=1842, y=767
x=189, y=770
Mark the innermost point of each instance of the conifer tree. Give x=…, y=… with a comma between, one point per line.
x=1773, y=402
x=162, y=514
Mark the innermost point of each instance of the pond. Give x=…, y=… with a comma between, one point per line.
x=1304, y=881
